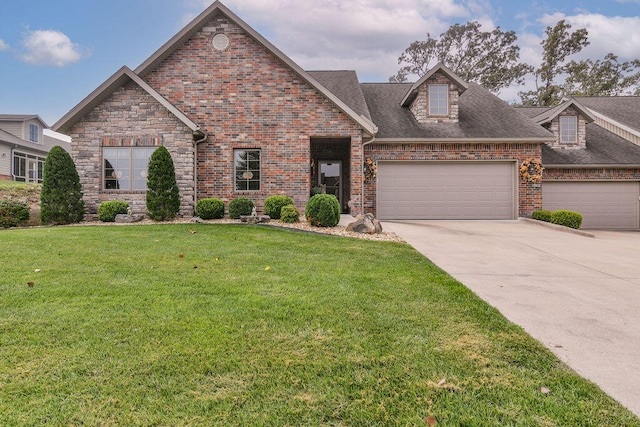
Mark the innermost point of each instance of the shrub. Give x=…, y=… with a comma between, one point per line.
x=107, y=211
x=210, y=208
x=240, y=206
x=289, y=214
x=567, y=218
x=13, y=213
x=542, y=215
x=323, y=210
x=163, y=197
x=61, y=195
x=274, y=204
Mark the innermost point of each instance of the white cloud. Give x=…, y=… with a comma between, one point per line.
x=50, y=47
x=4, y=45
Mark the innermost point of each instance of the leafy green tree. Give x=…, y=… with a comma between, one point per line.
x=61, y=195
x=606, y=77
x=559, y=44
x=163, y=197
x=490, y=58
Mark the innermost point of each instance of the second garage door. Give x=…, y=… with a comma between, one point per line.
x=446, y=190
x=605, y=205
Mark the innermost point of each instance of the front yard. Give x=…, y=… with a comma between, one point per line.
x=242, y=325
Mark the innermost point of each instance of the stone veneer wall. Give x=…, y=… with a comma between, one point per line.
x=420, y=106
x=246, y=98
x=130, y=114
x=581, y=140
x=529, y=194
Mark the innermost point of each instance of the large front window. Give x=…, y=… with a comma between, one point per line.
x=438, y=100
x=125, y=168
x=247, y=170
x=27, y=168
x=568, y=129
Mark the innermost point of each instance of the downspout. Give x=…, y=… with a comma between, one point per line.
x=198, y=137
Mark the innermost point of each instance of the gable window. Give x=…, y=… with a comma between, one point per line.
x=34, y=131
x=438, y=100
x=568, y=129
x=125, y=168
x=247, y=170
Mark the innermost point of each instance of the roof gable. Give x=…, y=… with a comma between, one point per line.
x=440, y=67
x=22, y=118
x=106, y=89
x=218, y=8
x=547, y=116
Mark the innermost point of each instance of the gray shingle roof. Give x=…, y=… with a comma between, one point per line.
x=346, y=86
x=623, y=109
x=603, y=148
x=482, y=116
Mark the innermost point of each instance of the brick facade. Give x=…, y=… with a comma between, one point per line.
x=591, y=174
x=554, y=127
x=244, y=97
x=529, y=194
x=420, y=106
x=130, y=117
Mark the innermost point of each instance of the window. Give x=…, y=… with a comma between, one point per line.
x=438, y=100
x=247, y=170
x=125, y=168
x=34, y=131
x=568, y=128
x=27, y=168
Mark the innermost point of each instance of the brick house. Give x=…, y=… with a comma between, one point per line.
x=241, y=119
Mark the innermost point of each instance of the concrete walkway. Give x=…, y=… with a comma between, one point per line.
x=578, y=295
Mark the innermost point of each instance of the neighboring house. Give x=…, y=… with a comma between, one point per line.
x=593, y=165
x=241, y=119
x=24, y=147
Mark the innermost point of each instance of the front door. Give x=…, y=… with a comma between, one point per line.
x=330, y=178
x=32, y=173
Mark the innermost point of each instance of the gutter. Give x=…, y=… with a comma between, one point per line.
x=462, y=140
x=202, y=136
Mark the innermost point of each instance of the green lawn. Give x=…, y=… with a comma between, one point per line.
x=244, y=325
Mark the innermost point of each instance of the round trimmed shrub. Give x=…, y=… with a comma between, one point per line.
x=210, y=208
x=61, y=195
x=274, y=204
x=240, y=206
x=541, y=215
x=107, y=211
x=163, y=195
x=289, y=214
x=323, y=210
x=13, y=213
x=567, y=218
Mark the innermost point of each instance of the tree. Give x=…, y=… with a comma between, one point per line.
x=606, y=77
x=558, y=45
x=163, y=197
x=61, y=195
x=490, y=58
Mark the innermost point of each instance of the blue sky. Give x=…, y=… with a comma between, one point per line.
x=54, y=53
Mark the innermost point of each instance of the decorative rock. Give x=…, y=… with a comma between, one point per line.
x=254, y=219
x=128, y=219
x=197, y=220
x=366, y=224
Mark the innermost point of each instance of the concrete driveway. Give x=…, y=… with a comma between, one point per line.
x=578, y=295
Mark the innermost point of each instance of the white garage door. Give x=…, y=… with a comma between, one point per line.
x=446, y=190
x=605, y=205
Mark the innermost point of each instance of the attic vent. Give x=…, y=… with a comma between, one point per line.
x=220, y=41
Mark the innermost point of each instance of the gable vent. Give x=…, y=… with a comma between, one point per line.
x=220, y=41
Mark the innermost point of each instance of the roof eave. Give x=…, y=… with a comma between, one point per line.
x=411, y=94
x=592, y=166
x=537, y=140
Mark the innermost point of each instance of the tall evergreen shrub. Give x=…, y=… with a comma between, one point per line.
x=163, y=196
x=61, y=195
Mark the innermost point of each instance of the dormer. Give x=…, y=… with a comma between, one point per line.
x=26, y=127
x=434, y=98
x=568, y=123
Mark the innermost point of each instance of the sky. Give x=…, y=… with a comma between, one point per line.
x=53, y=53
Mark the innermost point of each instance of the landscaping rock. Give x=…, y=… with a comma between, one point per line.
x=366, y=224
x=254, y=219
x=128, y=219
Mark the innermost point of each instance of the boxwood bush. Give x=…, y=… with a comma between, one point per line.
x=567, y=218
x=323, y=210
x=289, y=214
x=240, y=206
x=542, y=215
x=210, y=208
x=107, y=211
x=13, y=213
x=274, y=204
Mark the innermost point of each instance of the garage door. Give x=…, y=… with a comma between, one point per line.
x=446, y=190
x=605, y=205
